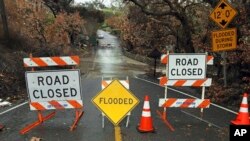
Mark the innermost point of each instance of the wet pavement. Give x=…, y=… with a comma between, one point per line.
x=107, y=60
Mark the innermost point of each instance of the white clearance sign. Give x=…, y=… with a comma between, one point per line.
x=187, y=66
x=53, y=85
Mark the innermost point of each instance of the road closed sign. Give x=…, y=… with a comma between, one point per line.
x=57, y=85
x=187, y=66
x=115, y=101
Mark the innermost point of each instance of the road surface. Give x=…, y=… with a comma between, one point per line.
x=110, y=63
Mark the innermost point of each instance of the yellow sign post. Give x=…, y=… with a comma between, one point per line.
x=224, y=39
x=223, y=14
x=115, y=101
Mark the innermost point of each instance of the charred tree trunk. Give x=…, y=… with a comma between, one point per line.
x=4, y=20
x=185, y=35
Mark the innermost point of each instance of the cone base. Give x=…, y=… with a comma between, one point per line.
x=151, y=130
x=238, y=122
x=1, y=127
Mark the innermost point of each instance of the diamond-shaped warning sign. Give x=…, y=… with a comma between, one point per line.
x=115, y=101
x=223, y=13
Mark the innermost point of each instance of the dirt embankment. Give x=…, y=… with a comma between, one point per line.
x=12, y=82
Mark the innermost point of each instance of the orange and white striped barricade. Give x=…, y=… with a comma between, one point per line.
x=53, y=89
x=185, y=70
x=164, y=59
x=164, y=81
x=184, y=103
x=104, y=84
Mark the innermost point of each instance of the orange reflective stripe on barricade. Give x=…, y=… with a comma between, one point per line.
x=75, y=104
x=37, y=106
x=51, y=61
x=204, y=103
x=164, y=59
x=178, y=83
x=104, y=84
x=56, y=104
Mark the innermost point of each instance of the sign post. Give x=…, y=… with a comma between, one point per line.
x=223, y=40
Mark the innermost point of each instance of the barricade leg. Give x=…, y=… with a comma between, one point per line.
x=127, y=120
x=103, y=124
x=40, y=120
x=164, y=119
x=78, y=114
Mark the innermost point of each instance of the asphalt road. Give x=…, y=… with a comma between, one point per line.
x=109, y=63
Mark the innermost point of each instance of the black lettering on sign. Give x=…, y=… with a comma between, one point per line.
x=73, y=92
x=200, y=71
x=186, y=71
x=195, y=61
x=41, y=92
x=239, y=132
x=183, y=72
x=40, y=80
x=186, y=62
x=58, y=93
x=172, y=72
x=130, y=101
x=57, y=80
x=119, y=101
x=65, y=92
x=65, y=79
x=178, y=62
x=189, y=62
x=50, y=93
x=101, y=100
x=34, y=94
x=49, y=80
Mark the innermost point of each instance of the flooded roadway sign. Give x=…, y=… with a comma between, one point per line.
x=224, y=39
x=115, y=101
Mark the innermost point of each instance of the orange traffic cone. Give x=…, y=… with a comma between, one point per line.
x=146, y=124
x=243, y=115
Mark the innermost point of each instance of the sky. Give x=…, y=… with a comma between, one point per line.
x=106, y=2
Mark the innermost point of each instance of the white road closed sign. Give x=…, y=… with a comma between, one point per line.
x=187, y=66
x=53, y=85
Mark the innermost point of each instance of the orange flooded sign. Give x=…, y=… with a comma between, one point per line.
x=224, y=39
x=223, y=13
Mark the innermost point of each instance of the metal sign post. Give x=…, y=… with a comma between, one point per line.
x=224, y=55
x=225, y=39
